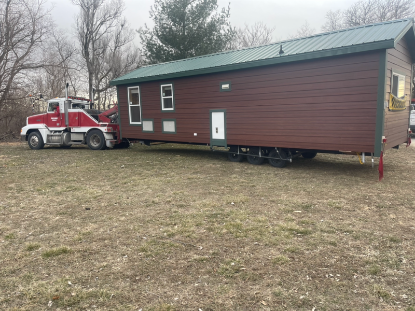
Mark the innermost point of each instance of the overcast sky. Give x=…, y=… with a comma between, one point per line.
x=285, y=15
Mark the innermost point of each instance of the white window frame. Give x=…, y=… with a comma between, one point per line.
x=163, y=97
x=139, y=104
x=404, y=82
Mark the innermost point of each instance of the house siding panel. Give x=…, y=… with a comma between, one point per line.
x=327, y=104
x=397, y=122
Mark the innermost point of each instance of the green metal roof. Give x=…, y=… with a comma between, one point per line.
x=352, y=40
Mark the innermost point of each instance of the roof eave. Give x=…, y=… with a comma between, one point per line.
x=410, y=40
x=386, y=44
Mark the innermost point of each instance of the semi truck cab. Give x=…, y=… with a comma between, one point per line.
x=71, y=121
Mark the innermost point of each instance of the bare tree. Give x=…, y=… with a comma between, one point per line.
x=61, y=66
x=254, y=35
x=369, y=11
x=334, y=21
x=360, y=13
x=304, y=31
x=105, y=42
x=395, y=9
x=24, y=26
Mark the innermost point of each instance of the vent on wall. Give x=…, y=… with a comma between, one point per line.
x=148, y=126
x=169, y=126
x=225, y=86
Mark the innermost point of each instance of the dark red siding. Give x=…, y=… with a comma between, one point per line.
x=327, y=104
x=397, y=122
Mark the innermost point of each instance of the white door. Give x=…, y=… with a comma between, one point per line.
x=218, y=125
x=218, y=128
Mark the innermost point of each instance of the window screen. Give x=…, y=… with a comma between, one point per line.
x=134, y=105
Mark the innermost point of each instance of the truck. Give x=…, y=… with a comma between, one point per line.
x=73, y=121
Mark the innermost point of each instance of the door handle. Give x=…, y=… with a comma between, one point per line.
x=217, y=131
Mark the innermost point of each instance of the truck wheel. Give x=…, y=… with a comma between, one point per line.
x=309, y=155
x=253, y=156
x=35, y=141
x=95, y=140
x=277, y=162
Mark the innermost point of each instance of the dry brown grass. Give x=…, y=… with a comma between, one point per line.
x=175, y=227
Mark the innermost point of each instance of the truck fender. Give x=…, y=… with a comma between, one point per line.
x=41, y=128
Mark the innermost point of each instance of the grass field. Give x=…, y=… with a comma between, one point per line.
x=174, y=227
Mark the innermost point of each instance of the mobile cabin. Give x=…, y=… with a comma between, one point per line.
x=343, y=91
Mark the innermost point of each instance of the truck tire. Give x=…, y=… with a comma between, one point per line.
x=35, y=141
x=253, y=156
x=309, y=155
x=95, y=140
x=277, y=161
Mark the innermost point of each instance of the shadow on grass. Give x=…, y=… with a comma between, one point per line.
x=341, y=165
x=327, y=164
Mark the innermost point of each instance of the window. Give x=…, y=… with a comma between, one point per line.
x=398, y=85
x=134, y=105
x=169, y=126
x=167, y=97
x=52, y=106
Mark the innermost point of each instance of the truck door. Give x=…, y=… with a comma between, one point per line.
x=53, y=117
x=218, y=127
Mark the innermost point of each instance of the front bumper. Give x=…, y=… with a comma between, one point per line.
x=23, y=137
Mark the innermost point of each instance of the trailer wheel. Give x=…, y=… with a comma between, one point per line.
x=234, y=157
x=253, y=156
x=233, y=154
x=309, y=155
x=277, y=162
x=95, y=140
x=35, y=141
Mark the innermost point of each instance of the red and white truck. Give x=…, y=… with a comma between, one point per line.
x=71, y=121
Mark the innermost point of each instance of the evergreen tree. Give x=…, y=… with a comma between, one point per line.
x=185, y=28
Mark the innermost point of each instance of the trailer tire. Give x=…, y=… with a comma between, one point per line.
x=95, y=140
x=253, y=156
x=35, y=141
x=309, y=155
x=277, y=162
x=234, y=157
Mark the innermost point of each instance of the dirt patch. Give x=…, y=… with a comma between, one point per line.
x=175, y=227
